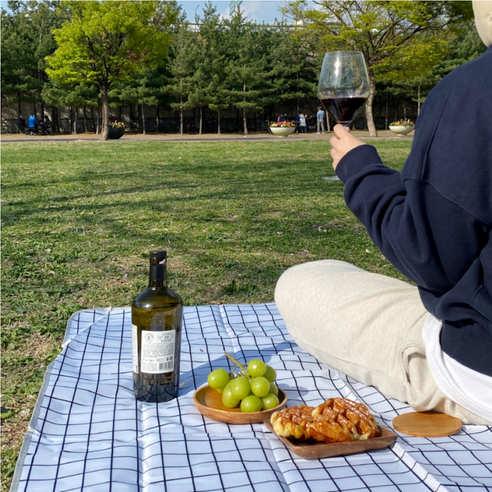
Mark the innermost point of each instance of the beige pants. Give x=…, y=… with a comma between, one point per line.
x=366, y=325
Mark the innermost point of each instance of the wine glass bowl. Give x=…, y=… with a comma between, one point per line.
x=343, y=86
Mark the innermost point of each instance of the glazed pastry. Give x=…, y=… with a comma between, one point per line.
x=343, y=409
x=335, y=420
x=293, y=422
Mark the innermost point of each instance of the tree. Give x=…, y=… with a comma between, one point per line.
x=26, y=41
x=209, y=78
x=75, y=96
x=182, y=69
x=398, y=38
x=246, y=70
x=109, y=40
x=293, y=70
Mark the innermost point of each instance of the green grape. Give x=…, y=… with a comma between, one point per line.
x=260, y=386
x=273, y=389
x=228, y=399
x=251, y=404
x=256, y=368
x=240, y=387
x=269, y=401
x=270, y=374
x=218, y=378
x=220, y=390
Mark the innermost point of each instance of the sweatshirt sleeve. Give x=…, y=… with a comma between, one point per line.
x=409, y=220
x=376, y=195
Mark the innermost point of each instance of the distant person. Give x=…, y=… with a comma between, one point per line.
x=302, y=123
x=46, y=125
x=320, y=121
x=32, y=124
x=281, y=118
x=21, y=124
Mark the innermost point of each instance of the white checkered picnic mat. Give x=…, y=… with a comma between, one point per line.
x=89, y=433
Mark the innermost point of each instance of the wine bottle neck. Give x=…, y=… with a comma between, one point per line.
x=158, y=273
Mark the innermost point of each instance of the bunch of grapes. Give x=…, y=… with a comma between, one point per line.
x=252, y=387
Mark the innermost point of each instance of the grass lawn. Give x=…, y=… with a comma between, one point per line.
x=79, y=219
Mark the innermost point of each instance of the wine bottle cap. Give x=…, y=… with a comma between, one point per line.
x=158, y=254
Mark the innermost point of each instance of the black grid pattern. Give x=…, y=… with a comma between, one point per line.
x=89, y=433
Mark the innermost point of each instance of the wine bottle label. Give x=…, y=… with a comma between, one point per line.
x=134, y=349
x=157, y=351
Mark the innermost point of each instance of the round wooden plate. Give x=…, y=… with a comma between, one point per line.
x=427, y=424
x=209, y=403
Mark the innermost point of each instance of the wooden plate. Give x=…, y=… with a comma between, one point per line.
x=328, y=450
x=427, y=424
x=209, y=403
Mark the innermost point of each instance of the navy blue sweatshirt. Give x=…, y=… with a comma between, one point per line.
x=433, y=221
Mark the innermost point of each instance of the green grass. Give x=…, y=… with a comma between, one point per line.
x=80, y=218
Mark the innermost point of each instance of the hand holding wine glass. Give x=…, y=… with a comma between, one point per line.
x=342, y=143
x=343, y=86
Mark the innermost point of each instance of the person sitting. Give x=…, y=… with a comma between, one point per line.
x=32, y=125
x=282, y=118
x=428, y=344
x=21, y=124
x=45, y=126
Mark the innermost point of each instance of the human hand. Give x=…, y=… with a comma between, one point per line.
x=342, y=143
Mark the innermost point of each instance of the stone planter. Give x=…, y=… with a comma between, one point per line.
x=282, y=131
x=401, y=130
x=115, y=133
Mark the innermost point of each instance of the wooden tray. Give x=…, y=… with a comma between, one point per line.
x=209, y=403
x=328, y=450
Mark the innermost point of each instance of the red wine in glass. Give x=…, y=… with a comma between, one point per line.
x=343, y=86
x=344, y=110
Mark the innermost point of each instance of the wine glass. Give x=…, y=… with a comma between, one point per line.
x=343, y=86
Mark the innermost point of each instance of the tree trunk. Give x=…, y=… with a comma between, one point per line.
x=245, y=122
x=218, y=121
x=85, y=120
x=144, y=130
x=56, y=121
x=418, y=98
x=157, y=118
x=97, y=121
x=92, y=119
x=104, y=113
x=370, y=100
x=201, y=120
x=73, y=114
x=386, y=112
x=181, y=118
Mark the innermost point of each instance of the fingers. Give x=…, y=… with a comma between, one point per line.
x=341, y=131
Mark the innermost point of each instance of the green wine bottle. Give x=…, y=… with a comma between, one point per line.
x=156, y=336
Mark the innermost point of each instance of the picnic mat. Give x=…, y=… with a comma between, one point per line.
x=89, y=433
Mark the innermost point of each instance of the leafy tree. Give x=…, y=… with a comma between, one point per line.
x=26, y=40
x=74, y=96
x=294, y=71
x=247, y=73
x=106, y=41
x=182, y=69
x=460, y=49
x=209, y=79
x=390, y=34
